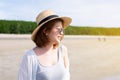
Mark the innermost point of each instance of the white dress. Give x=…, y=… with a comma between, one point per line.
x=29, y=64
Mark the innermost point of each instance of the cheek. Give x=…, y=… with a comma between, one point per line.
x=52, y=35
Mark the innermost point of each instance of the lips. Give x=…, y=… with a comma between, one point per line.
x=59, y=37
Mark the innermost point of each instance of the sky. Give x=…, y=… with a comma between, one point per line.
x=101, y=13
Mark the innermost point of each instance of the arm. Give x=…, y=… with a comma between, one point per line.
x=66, y=59
x=28, y=67
x=23, y=71
x=66, y=62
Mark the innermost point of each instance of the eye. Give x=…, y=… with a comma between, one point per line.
x=61, y=30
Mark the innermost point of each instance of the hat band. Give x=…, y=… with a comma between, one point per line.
x=47, y=18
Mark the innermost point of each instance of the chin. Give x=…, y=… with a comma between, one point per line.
x=58, y=41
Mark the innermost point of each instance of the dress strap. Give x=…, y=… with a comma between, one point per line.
x=61, y=53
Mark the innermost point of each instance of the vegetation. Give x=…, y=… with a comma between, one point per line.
x=86, y=30
x=16, y=27
x=26, y=27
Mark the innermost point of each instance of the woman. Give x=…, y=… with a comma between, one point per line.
x=49, y=59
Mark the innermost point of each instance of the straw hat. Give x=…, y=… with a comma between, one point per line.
x=46, y=16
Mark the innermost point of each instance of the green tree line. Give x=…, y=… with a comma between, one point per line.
x=26, y=27
x=16, y=27
x=87, y=30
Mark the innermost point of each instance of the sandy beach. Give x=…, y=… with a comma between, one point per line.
x=91, y=57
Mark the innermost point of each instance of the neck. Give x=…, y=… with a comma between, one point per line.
x=50, y=47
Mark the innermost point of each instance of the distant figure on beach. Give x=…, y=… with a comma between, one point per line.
x=49, y=59
x=102, y=39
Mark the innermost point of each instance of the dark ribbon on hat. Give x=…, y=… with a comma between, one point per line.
x=47, y=18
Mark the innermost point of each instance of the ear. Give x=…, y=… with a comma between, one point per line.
x=45, y=32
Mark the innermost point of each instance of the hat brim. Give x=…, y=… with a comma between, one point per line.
x=66, y=23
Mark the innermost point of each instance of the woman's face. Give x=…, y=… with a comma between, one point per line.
x=56, y=33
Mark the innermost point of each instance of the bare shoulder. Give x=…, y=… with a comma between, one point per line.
x=64, y=50
x=64, y=47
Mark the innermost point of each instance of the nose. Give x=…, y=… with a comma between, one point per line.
x=61, y=31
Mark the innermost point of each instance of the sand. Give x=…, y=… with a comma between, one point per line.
x=91, y=57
